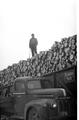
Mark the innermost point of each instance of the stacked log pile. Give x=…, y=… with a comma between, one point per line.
x=61, y=55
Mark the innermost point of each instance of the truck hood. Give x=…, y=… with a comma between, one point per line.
x=58, y=92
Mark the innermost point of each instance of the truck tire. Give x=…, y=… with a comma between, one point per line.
x=36, y=114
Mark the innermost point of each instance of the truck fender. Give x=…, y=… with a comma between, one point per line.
x=34, y=103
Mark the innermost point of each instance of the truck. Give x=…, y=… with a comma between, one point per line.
x=52, y=96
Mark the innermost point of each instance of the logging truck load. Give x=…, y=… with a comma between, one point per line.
x=51, y=96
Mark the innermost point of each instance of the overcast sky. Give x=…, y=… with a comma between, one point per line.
x=49, y=20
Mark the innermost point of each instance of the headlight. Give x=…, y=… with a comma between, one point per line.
x=50, y=105
x=53, y=109
x=54, y=105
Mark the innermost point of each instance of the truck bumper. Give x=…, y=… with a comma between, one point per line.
x=16, y=117
x=63, y=116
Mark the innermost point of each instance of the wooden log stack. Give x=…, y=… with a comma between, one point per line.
x=61, y=55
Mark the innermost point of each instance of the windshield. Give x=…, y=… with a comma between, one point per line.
x=19, y=87
x=46, y=84
x=34, y=84
x=38, y=84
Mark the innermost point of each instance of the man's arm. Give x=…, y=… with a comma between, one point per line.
x=36, y=42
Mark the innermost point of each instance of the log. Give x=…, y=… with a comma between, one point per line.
x=61, y=55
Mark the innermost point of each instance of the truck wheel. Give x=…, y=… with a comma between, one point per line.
x=35, y=114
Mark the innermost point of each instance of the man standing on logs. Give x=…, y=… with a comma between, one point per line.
x=33, y=45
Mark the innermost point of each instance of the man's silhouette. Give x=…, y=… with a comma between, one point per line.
x=33, y=45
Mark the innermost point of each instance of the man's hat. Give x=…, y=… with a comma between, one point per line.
x=32, y=34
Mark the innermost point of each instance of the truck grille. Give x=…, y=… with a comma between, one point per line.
x=66, y=105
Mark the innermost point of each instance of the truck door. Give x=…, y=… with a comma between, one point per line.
x=7, y=101
x=20, y=97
